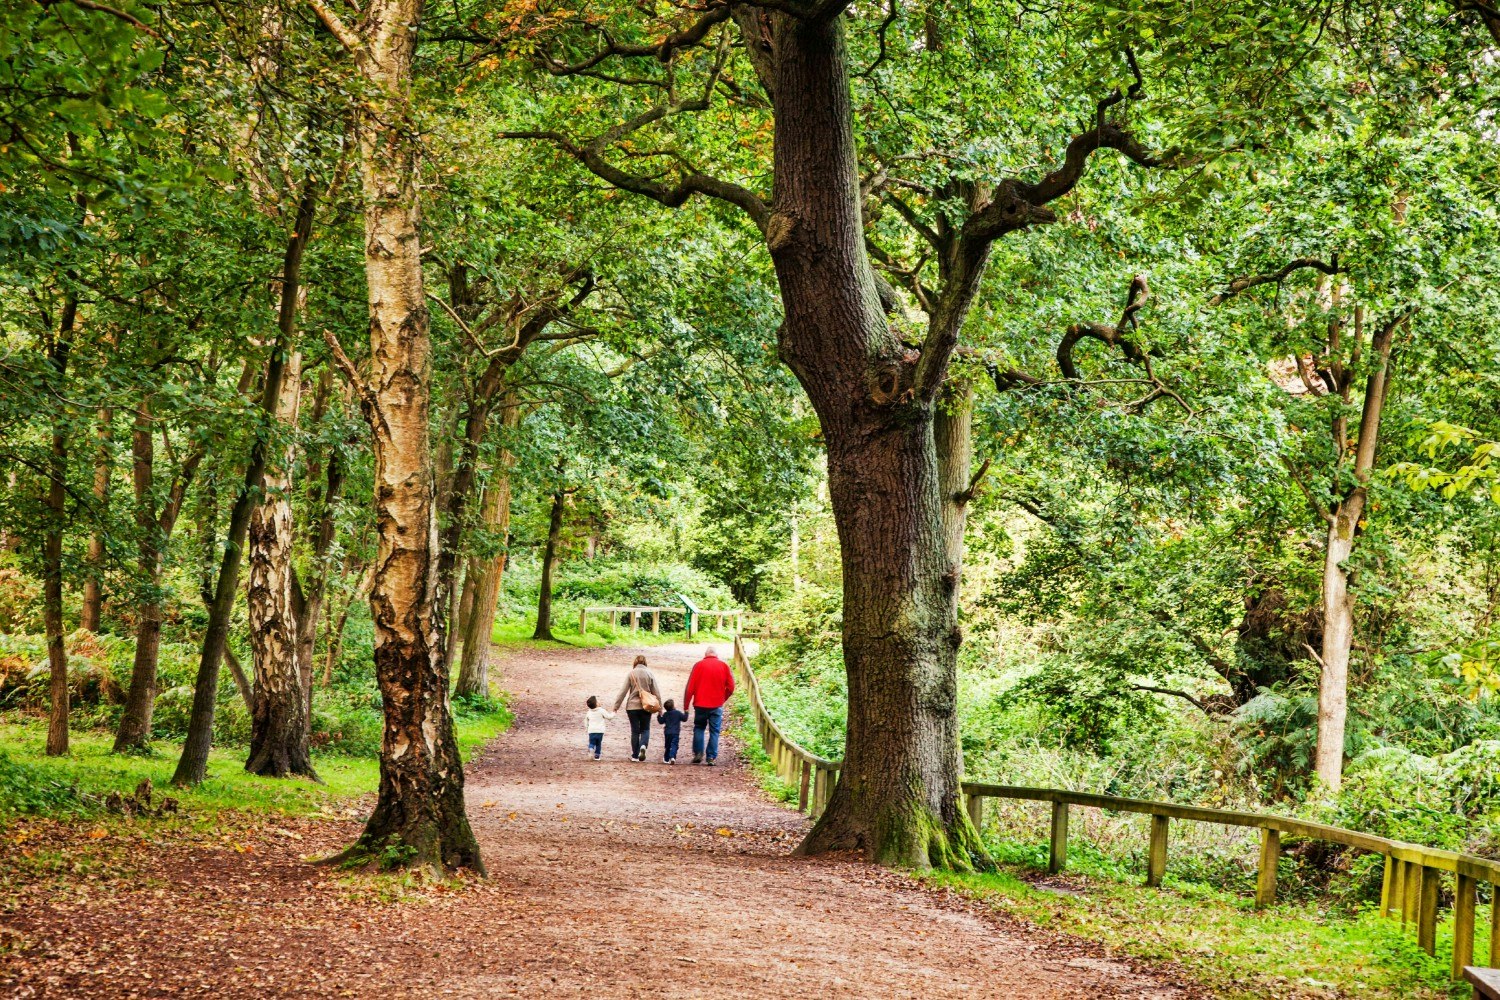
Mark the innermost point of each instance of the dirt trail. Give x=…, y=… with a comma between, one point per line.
x=609, y=878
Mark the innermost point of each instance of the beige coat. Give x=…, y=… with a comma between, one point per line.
x=639, y=679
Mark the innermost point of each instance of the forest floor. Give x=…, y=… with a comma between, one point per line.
x=612, y=878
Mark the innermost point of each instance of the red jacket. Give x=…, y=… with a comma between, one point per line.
x=709, y=685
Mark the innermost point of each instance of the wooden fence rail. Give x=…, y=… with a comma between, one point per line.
x=813, y=776
x=633, y=614
x=1410, y=891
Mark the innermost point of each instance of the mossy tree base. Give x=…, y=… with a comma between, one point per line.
x=898, y=835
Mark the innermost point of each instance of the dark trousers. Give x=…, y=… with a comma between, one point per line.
x=640, y=730
x=669, y=752
x=596, y=744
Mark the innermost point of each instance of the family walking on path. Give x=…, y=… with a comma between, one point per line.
x=709, y=686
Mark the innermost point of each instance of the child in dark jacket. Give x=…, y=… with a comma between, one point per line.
x=671, y=728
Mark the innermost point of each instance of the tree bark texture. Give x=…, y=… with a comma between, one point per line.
x=52, y=544
x=93, y=583
x=473, y=670
x=549, y=562
x=279, y=723
x=193, y=765
x=898, y=799
x=419, y=815
x=1344, y=527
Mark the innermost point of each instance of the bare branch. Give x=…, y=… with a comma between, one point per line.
x=350, y=371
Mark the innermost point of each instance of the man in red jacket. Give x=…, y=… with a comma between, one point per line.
x=708, y=688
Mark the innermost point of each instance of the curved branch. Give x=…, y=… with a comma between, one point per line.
x=691, y=181
x=1110, y=336
x=1196, y=703
x=1249, y=281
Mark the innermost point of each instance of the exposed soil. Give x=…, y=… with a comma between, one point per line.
x=609, y=878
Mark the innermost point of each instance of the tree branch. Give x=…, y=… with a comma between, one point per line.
x=346, y=36
x=1177, y=694
x=1246, y=282
x=662, y=50
x=114, y=12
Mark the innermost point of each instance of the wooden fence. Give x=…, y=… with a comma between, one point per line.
x=1410, y=891
x=813, y=776
x=633, y=615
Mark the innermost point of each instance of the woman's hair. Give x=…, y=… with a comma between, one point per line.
x=593, y=702
x=640, y=661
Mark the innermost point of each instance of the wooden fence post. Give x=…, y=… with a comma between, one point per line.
x=803, y=789
x=1387, y=886
x=1156, y=856
x=1411, y=894
x=1427, y=910
x=820, y=792
x=635, y=620
x=975, y=805
x=1057, y=858
x=1494, y=924
x=1464, y=897
x=583, y=622
x=1270, y=857
x=614, y=618
x=1398, y=874
x=656, y=621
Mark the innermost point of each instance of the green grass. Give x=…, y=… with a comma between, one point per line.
x=1221, y=941
x=34, y=782
x=742, y=727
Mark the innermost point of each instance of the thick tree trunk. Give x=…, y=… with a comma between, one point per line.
x=279, y=723
x=52, y=545
x=549, y=561
x=1338, y=603
x=419, y=815
x=898, y=799
x=473, y=670
x=193, y=765
x=93, y=584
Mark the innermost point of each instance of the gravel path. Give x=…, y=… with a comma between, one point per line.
x=609, y=878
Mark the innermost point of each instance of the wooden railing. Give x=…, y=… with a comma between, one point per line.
x=1410, y=890
x=813, y=776
x=634, y=613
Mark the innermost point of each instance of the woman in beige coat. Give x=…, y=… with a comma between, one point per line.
x=641, y=699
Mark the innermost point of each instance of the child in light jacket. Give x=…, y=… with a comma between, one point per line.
x=594, y=720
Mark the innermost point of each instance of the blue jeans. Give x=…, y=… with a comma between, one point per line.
x=596, y=744
x=712, y=719
x=669, y=752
